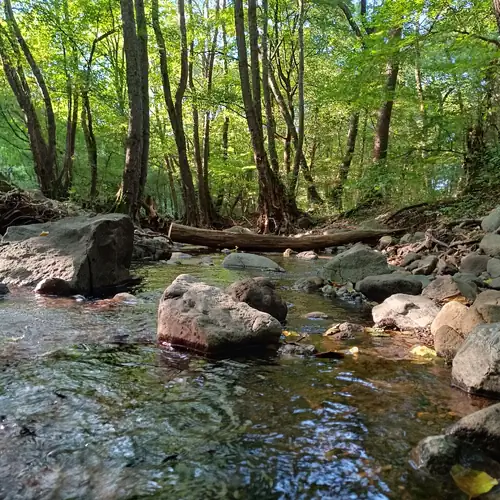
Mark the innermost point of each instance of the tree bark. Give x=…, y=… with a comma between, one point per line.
x=338, y=190
x=273, y=205
x=142, y=48
x=174, y=108
x=271, y=122
x=173, y=191
x=90, y=142
x=43, y=150
x=300, y=77
x=134, y=142
x=381, y=141
x=69, y=154
x=270, y=243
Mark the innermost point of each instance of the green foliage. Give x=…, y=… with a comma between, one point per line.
x=448, y=83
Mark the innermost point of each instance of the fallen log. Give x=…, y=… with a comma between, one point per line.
x=271, y=243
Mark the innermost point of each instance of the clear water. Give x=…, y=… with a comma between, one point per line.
x=92, y=408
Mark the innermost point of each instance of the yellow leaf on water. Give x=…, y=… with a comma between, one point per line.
x=332, y=330
x=44, y=233
x=290, y=333
x=472, y=482
x=376, y=332
x=423, y=351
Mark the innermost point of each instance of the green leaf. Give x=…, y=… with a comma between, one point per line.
x=472, y=482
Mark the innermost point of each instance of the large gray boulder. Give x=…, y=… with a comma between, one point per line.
x=197, y=316
x=481, y=429
x=493, y=268
x=405, y=312
x=490, y=244
x=93, y=254
x=492, y=221
x=259, y=293
x=355, y=264
x=424, y=266
x=379, y=288
x=474, y=263
x=487, y=304
x=309, y=285
x=476, y=366
x=447, y=287
x=238, y=260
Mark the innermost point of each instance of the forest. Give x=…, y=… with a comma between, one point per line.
x=212, y=110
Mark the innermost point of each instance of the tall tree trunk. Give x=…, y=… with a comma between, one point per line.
x=225, y=126
x=381, y=142
x=338, y=190
x=273, y=206
x=44, y=151
x=174, y=108
x=173, y=191
x=212, y=212
x=287, y=114
x=271, y=123
x=300, y=81
x=287, y=151
x=204, y=211
x=69, y=154
x=90, y=142
x=142, y=48
x=134, y=142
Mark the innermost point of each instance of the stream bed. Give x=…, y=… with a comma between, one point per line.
x=92, y=408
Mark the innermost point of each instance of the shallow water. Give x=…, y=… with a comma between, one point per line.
x=91, y=407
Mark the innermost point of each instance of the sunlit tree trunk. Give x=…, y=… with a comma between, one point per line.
x=174, y=108
x=42, y=145
x=381, y=141
x=273, y=204
x=135, y=133
x=338, y=190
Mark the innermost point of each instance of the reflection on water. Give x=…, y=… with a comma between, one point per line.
x=90, y=407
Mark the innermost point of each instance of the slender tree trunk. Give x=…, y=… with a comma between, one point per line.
x=43, y=150
x=173, y=191
x=345, y=166
x=212, y=211
x=135, y=134
x=142, y=48
x=174, y=108
x=273, y=206
x=271, y=123
x=300, y=77
x=90, y=142
x=225, y=126
x=69, y=154
x=204, y=211
x=287, y=114
x=381, y=142
x=287, y=151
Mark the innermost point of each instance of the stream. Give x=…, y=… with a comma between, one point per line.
x=92, y=408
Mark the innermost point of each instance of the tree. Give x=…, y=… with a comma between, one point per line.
x=13, y=49
x=174, y=107
x=274, y=206
x=137, y=145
